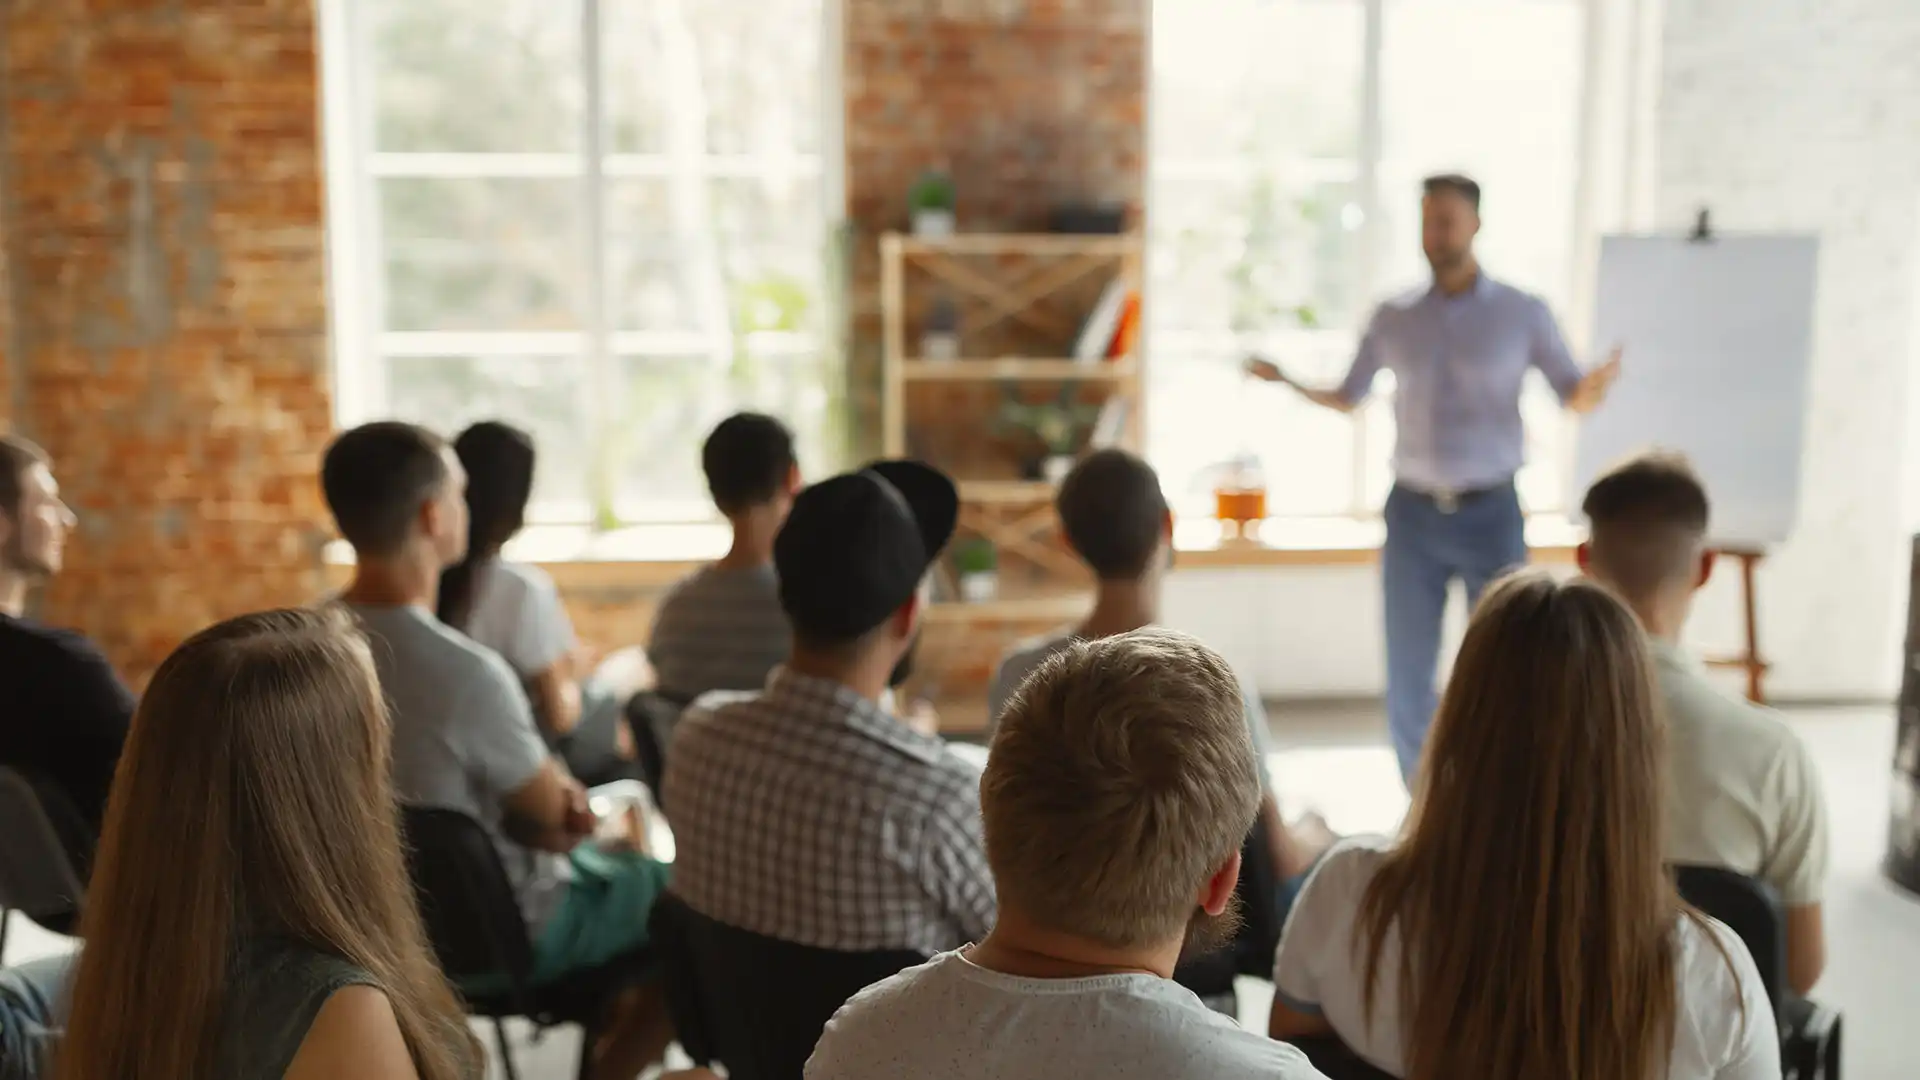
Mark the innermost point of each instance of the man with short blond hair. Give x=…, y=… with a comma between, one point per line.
x=1744, y=793
x=1116, y=796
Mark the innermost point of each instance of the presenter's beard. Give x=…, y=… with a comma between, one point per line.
x=1208, y=934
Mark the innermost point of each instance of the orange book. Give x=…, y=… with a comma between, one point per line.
x=1129, y=330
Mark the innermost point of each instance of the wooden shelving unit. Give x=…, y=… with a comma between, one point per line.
x=1011, y=287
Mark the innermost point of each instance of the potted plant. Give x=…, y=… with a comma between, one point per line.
x=930, y=201
x=1056, y=429
x=976, y=566
x=940, y=330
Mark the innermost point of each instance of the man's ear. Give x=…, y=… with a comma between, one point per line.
x=793, y=479
x=907, y=615
x=429, y=517
x=1583, y=555
x=1217, y=892
x=1707, y=559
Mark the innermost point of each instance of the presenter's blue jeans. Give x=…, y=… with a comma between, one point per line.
x=1426, y=549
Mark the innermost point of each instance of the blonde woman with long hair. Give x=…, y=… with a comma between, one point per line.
x=1523, y=927
x=250, y=916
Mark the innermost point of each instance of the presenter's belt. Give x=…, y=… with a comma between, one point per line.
x=1449, y=500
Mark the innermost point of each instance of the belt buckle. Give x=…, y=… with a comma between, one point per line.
x=1446, y=501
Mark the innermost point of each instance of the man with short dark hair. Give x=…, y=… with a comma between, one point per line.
x=1744, y=793
x=808, y=812
x=1116, y=794
x=463, y=731
x=1116, y=518
x=66, y=712
x=722, y=627
x=1459, y=350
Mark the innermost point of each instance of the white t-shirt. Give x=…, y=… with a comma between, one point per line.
x=517, y=613
x=1319, y=970
x=949, y=1019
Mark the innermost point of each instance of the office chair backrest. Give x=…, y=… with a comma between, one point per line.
x=1751, y=909
x=756, y=1003
x=37, y=872
x=466, y=901
x=652, y=715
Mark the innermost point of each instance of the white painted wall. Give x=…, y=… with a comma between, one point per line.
x=1780, y=115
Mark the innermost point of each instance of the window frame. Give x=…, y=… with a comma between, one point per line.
x=362, y=345
x=1371, y=421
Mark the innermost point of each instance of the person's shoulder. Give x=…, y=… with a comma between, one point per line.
x=38, y=644
x=427, y=649
x=523, y=578
x=354, y=1033
x=1717, y=973
x=1348, y=865
x=874, y=1030
x=1733, y=724
x=1403, y=300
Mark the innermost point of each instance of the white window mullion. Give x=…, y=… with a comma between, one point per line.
x=599, y=385
x=1372, y=221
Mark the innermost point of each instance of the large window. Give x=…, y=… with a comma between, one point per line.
x=1288, y=141
x=604, y=220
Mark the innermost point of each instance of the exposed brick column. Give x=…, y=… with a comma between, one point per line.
x=163, y=228
x=1027, y=103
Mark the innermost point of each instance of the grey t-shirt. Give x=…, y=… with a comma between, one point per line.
x=463, y=737
x=719, y=629
x=1022, y=660
x=951, y=1020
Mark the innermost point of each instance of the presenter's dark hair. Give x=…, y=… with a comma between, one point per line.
x=499, y=460
x=17, y=455
x=1458, y=183
x=1112, y=510
x=747, y=459
x=376, y=477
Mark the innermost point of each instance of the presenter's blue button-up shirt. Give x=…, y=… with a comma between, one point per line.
x=1458, y=364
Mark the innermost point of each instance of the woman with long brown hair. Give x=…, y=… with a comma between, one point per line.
x=250, y=914
x=1524, y=925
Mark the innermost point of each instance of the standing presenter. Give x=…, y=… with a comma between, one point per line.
x=1459, y=351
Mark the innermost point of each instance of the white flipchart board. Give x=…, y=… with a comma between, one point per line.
x=1717, y=335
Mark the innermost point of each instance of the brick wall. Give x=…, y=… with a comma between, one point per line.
x=1788, y=116
x=162, y=224
x=1025, y=103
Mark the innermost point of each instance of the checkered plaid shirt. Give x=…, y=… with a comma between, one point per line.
x=808, y=813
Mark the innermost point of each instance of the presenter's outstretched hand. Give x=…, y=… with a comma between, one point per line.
x=1266, y=370
x=1593, y=387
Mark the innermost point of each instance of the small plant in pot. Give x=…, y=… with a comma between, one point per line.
x=940, y=331
x=930, y=202
x=976, y=567
x=1055, y=431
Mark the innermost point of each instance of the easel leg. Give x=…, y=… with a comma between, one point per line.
x=1756, y=668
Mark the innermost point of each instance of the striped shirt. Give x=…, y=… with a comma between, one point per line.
x=719, y=629
x=808, y=813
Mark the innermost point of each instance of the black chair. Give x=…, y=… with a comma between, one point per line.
x=1809, y=1033
x=651, y=716
x=43, y=853
x=477, y=931
x=755, y=1003
x=1331, y=1057
x=1210, y=976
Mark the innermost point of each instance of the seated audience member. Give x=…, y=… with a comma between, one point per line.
x=808, y=812
x=250, y=915
x=1743, y=792
x=722, y=628
x=1117, y=793
x=66, y=711
x=1116, y=518
x=463, y=734
x=32, y=1013
x=514, y=609
x=1524, y=924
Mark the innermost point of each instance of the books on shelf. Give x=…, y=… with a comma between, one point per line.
x=1097, y=333
x=1110, y=426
